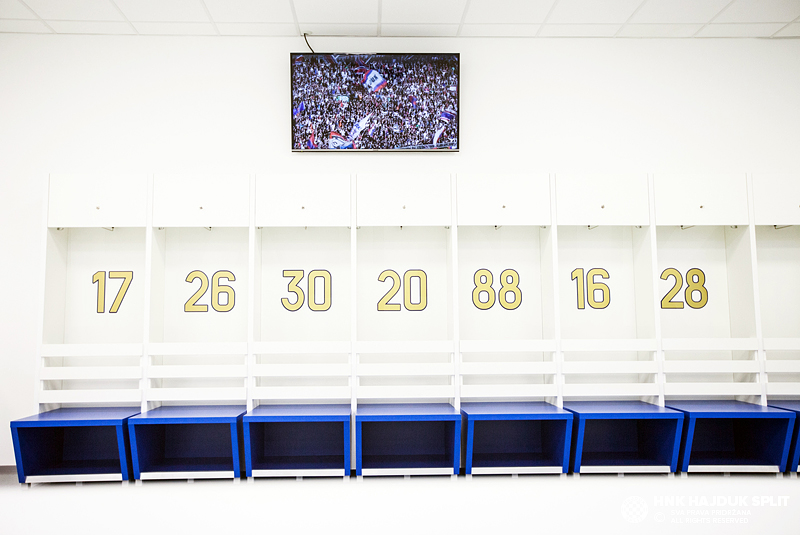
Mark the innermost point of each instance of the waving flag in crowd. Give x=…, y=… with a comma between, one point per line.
x=413, y=100
x=373, y=80
x=312, y=143
x=438, y=134
x=338, y=141
x=358, y=128
x=448, y=115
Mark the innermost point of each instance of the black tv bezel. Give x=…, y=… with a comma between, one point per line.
x=347, y=151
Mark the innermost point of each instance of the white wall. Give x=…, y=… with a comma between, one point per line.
x=143, y=104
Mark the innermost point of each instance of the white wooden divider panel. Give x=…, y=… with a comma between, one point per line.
x=97, y=201
x=201, y=201
x=303, y=200
x=776, y=199
x=496, y=200
x=403, y=200
x=701, y=199
x=602, y=199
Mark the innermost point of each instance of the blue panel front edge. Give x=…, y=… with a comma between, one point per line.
x=235, y=449
x=788, y=442
x=248, y=456
x=123, y=454
x=470, y=438
x=346, y=425
x=456, y=446
x=358, y=447
x=577, y=450
x=567, y=445
x=18, y=454
x=686, y=447
x=795, y=450
x=134, y=450
x=676, y=447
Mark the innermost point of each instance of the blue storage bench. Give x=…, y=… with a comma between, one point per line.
x=80, y=444
x=407, y=439
x=624, y=436
x=197, y=442
x=794, y=451
x=516, y=438
x=297, y=440
x=733, y=436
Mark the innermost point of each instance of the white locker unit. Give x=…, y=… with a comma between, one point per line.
x=705, y=267
x=301, y=350
x=505, y=271
x=199, y=290
x=605, y=285
x=777, y=219
x=94, y=291
x=336, y=288
x=404, y=289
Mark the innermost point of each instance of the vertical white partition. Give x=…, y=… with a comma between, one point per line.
x=197, y=351
x=777, y=219
x=605, y=287
x=405, y=348
x=302, y=336
x=706, y=281
x=505, y=299
x=91, y=346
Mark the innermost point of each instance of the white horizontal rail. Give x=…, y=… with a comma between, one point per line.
x=610, y=366
x=297, y=348
x=405, y=392
x=719, y=468
x=300, y=392
x=507, y=346
x=783, y=389
x=407, y=471
x=196, y=394
x=508, y=391
x=478, y=470
x=783, y=366
x=187, y=475
x=643, y=344
x=712, y=389
x=72, y=478
x=610, y=389
x=433, y=346
x=301, y=370
x=92, y=350
x=90, y=396
x=711, y=366
x=405, y=369
x=189, y=349
x=782, y=344
x=53, y=373
x=321, y=472
x=198, y=371
x=622, y=469
x=709, y=344
x=508, y=368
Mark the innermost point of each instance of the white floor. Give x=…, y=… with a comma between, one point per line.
x=644, y=504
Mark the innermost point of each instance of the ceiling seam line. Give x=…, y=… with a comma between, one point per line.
x=210, y=18
x=463, y=18
x=712, y=19
x=294, y=17
x=785, y=26
x=124, y=16
x=546, y=18
x=37, y=16
x=635, y=11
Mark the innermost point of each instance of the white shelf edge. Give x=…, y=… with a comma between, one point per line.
x=709, y=344
x=711, y=366
x=405, y=369
x=480, y=470
x=782, y=344
x=433, y=346
x=610, y=366
x=744, y=468
x=196, y=348
x=407, y=471
x=508, y=368
x=300, y=347
x=621, y=469
x=152, y=476
x=601, y=345
x=70, y=478
x=507, y=346
x=92, y=350
x=321, y=472
x=61, y=373
x=301, y=370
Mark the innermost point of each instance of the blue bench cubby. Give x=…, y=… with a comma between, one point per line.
x=297, y=440
x=733, y=436
x=516, y=438
x=794, y=452
x=186, y=442
x=407, y=438
x=624, y=436
x=78, y=444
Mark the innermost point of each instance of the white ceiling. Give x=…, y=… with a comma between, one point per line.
x=407, y=18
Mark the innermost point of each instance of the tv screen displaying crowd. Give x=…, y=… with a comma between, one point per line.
x=385, y=101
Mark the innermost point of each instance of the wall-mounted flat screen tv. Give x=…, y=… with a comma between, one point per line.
x=375, y=102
